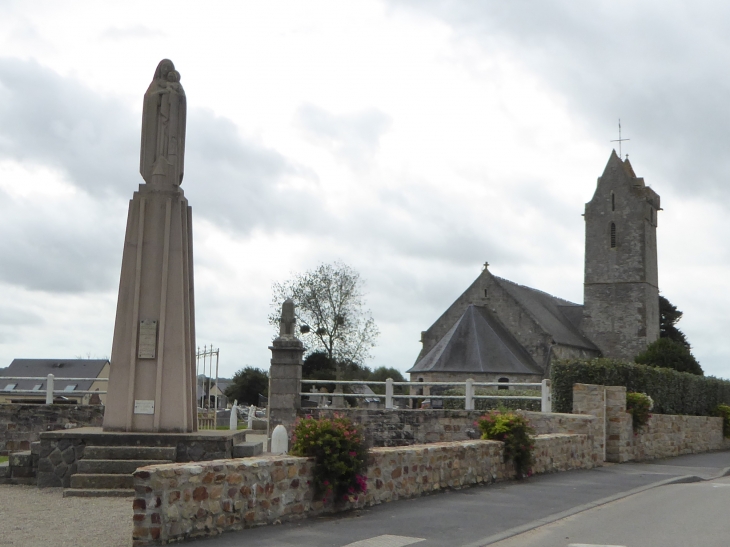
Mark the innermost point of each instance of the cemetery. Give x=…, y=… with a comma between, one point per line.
x=146, y=441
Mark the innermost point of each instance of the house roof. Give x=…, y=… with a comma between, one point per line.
x=560, y=318
x=60, y=368
x=477, y=343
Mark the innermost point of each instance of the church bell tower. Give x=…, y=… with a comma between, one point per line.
x=621, y=294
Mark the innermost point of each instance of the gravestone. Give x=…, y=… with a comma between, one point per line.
x=152, y=376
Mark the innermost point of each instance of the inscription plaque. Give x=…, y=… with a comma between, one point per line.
x=142, y=406
x=147, y=339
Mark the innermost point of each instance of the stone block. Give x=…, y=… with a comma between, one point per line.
x=20, y=459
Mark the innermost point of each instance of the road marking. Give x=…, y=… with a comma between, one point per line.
x=720, y=485
x=385, y=541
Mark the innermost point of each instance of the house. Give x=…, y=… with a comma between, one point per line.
x=66, y=374
x=500, y=331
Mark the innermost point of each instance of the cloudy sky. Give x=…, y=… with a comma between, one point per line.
x=413, y=140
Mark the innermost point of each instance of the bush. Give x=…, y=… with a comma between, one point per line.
x=639, y=405
x=516, y=434
x=338, y=448
x=723, y=411
x=667, y=353
x=673, y=392
x=494, y=404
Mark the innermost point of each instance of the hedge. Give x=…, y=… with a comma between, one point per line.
x=673, y=392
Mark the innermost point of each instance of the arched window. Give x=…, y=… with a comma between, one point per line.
x=613, y=235
x=504, y=381
x=613, y=201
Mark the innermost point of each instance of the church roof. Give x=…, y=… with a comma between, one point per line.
x=558, y=317
x=477, y=343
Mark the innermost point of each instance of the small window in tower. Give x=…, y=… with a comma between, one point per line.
x=485, y=293
x=503, y=381
x=613, y=201
x=613, y=235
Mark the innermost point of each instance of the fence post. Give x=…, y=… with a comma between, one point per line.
x=547, y=398
x=469, y=395
x=389, y=393
x=49, y=390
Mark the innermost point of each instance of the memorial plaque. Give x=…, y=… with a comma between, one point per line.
x=147, y=339
x=142, y=406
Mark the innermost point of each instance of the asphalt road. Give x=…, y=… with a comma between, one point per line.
x=479, y=516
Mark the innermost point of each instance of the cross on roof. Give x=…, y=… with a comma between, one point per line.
x=620, y=140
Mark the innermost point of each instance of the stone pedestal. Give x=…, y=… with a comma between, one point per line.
x=152, y=378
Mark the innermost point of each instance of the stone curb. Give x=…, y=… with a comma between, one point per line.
x=586, y=506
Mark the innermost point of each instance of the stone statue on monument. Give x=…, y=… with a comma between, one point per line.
x=287, y=322
x=163, y=127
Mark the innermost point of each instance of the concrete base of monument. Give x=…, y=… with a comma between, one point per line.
x=90, y=462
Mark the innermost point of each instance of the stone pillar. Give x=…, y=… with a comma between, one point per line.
x=619, y=426
x=590, y=399
x=285, y=373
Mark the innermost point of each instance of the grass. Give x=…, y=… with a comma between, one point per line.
x=225, y=427
x=3, y=459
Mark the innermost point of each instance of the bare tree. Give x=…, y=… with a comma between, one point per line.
x=331, y=312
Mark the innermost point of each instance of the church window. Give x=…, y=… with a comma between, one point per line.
x=613, y=201
x=485, y=293
x=503, y=381
x=613, y=235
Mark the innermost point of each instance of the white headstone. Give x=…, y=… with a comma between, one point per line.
x=251, y=416
x=279, y=440
x=233, y=423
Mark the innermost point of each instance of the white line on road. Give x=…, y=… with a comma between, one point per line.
x=385, y=541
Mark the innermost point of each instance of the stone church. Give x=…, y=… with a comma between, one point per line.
x=498, y=330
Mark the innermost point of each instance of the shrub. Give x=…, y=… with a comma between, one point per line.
x=673, y=392
x=338, y=448
x=723, y=411
x=639, y=405
x=516, y=434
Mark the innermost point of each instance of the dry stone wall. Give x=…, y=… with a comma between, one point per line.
x=183, y=501
x=21, y=425
x=665, y=435
x=408, y=427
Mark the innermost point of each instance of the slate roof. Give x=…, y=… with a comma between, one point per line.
x=60, y=368
x=477, y=343
x=558, y=317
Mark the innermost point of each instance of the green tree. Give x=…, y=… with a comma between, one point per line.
x=331, y=311
x=669, y=316
x=667, y=353
x=246, y=385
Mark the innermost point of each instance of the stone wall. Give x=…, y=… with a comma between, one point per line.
x=21, y=425
x=404, y=427
x=662, y=437
x=182, y=501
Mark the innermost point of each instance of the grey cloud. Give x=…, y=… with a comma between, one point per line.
x=59, y=123
x=353, y=137
x=61, y=249
x=14, y=316
x=93, y=140
x=658, y=66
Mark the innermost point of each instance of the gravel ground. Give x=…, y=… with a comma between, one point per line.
x=32, y=516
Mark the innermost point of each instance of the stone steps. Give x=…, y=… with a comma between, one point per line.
x=95, y=493
x=99, y=481
x=114, y=467
x=108, y=470
x=167, y=453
